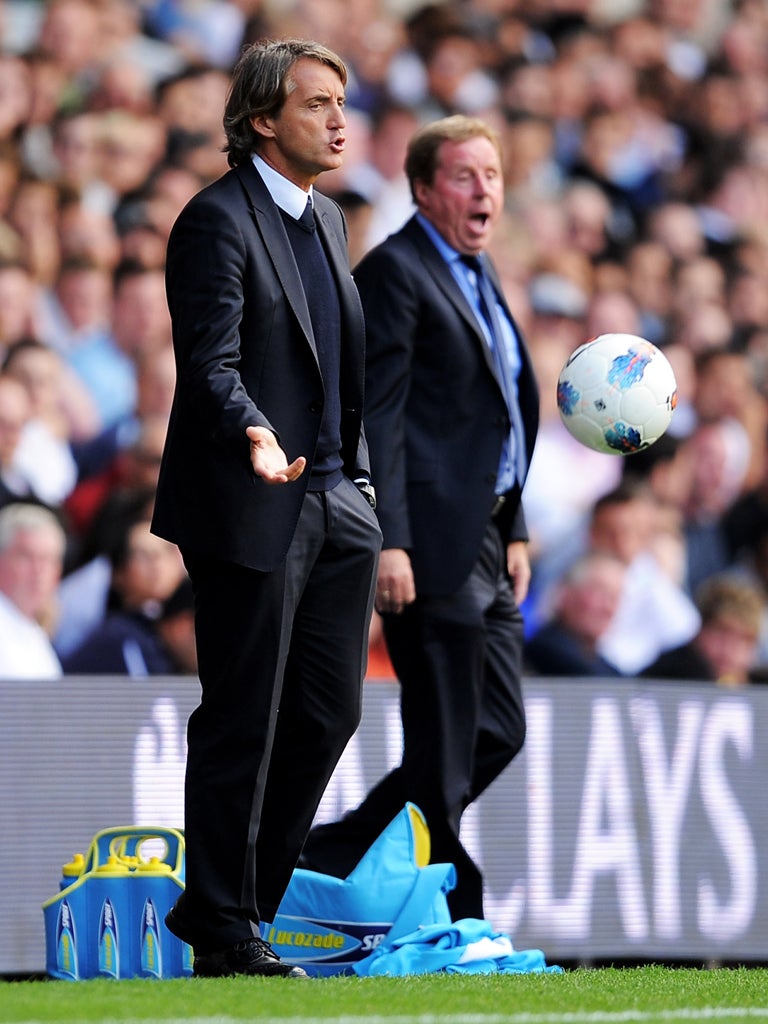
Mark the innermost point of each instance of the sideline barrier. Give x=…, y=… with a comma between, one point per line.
x=633, y=826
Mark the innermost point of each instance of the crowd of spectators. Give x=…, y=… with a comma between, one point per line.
x=635, y=135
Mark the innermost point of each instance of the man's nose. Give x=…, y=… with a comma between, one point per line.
x=338, y=118
x=482, y=185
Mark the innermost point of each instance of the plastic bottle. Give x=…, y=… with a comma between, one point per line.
x=71, y=871
x=112, y=879
x=151, y=896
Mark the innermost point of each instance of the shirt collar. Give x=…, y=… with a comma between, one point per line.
x=287, y=196
x=450, y=255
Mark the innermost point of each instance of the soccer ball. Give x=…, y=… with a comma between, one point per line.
x=616, y=394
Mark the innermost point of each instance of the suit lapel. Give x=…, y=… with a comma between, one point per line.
x=448, y=284
x=330, y=242
x=441, y=272
x=353, y=319
x=275, y=240
x=351, y=307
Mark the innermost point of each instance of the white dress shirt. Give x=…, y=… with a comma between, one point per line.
x=26, y=651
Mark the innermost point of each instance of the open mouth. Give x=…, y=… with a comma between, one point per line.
x=338, y=145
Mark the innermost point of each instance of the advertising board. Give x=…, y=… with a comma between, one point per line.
x=633, y=826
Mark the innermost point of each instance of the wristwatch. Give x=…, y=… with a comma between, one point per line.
x=368, y=491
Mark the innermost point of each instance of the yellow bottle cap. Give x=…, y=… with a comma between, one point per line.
x=113, y=866
x=155, y=865
x=75, y=867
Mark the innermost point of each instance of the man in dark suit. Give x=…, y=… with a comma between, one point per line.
x=264, y=486
x=451, y=418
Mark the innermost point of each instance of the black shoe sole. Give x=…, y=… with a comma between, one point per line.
x=215, y=966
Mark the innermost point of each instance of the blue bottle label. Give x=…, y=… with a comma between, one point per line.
x=109, y=950
x=151, y=951
x=66, y=943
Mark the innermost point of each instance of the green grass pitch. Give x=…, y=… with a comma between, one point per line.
x=650, y=995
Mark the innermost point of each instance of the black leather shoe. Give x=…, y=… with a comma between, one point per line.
x=251, y=956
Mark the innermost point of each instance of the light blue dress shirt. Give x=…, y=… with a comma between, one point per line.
x=465, y=278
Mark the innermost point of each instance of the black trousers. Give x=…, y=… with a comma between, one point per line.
x=281, y=661
x=458, y=659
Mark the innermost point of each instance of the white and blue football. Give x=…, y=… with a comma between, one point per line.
x=617, y=393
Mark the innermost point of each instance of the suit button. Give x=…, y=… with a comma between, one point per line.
x=491, y=478
x=316, y=407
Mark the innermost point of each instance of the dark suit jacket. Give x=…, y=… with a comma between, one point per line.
x=435, y=415
x=245, y=355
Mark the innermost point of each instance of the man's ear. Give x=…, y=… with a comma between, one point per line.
x=421, y=193
x=263, y=126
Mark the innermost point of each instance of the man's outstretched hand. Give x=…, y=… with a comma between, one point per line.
x=268, y=459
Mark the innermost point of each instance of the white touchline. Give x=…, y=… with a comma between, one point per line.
x=701, y=1013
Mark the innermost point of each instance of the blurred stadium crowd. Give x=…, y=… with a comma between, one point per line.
x=635, y=135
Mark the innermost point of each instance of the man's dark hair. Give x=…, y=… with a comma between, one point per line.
x=261, y=83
